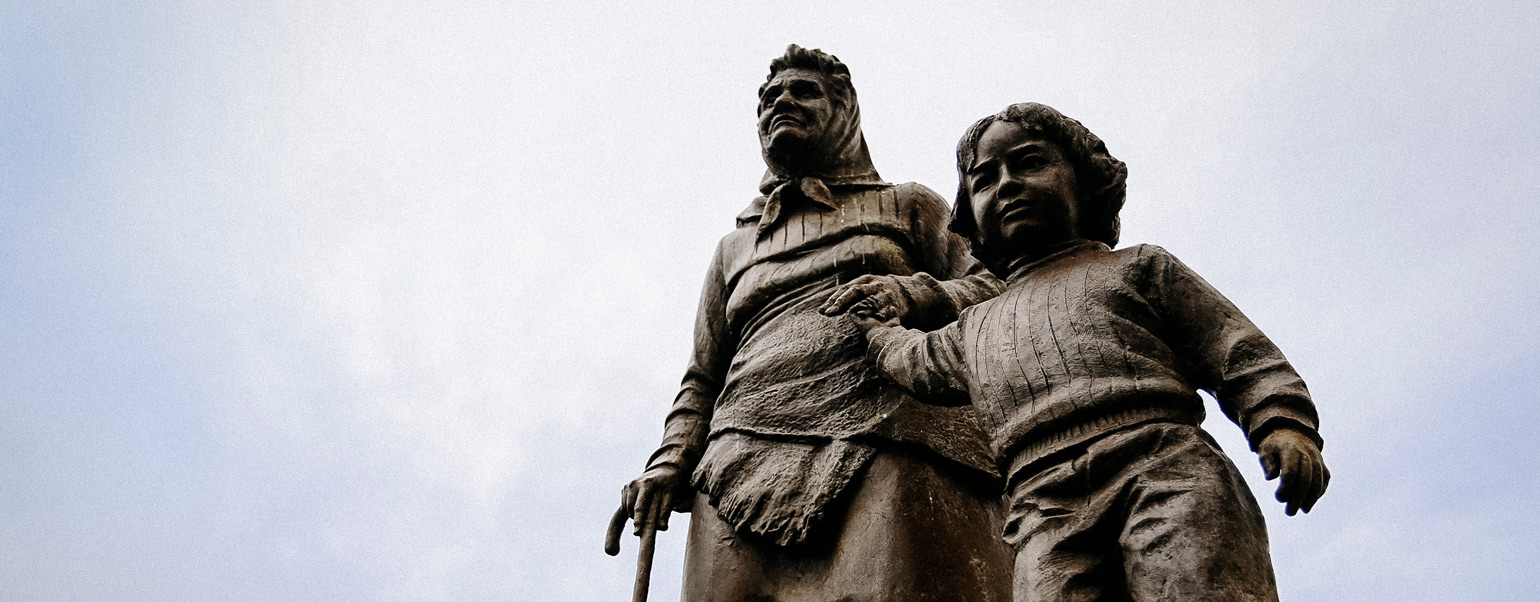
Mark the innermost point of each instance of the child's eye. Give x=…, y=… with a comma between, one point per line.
x=1031, y=162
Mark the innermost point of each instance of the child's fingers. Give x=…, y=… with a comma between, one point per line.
x=1288, y=477
x=1318, y=487
x=1269, y=460
x=1305, y=485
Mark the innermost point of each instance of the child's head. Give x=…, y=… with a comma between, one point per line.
x=1030, y=177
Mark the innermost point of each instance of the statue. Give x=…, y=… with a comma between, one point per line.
x=808, y=476
x=1085, y=373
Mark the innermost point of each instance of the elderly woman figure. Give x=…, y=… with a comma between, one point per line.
x=807, y=475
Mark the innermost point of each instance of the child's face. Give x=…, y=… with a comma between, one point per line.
x=1023, y=191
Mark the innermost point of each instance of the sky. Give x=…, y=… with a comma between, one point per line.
x=359, y=301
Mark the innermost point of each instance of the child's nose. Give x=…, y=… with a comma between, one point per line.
x=1010, y=186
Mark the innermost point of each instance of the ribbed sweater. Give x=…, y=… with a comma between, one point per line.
x=1087, y=341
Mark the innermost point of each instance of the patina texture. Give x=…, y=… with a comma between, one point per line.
x=1086, y=372
x=810, y=477
x=769, y=366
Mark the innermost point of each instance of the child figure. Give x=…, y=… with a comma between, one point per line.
x=1085, y=374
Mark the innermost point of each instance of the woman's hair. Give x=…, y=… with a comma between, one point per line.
x=827, y=65
x=1101, y=179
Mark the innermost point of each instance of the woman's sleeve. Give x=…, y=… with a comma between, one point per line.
x=689, y=420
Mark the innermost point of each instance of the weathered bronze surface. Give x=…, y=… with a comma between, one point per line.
x=1085, y=373
x=863, y=383
x=808, y=475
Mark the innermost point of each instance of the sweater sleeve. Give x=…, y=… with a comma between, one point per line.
x=689, y=420
x=1225, y=354
x=950, y=279
x=927, y=364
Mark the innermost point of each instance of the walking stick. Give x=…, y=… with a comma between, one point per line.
x=644, y=563
x=643, y=554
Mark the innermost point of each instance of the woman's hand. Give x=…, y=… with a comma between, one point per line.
x=647, y=502
x=872, y=291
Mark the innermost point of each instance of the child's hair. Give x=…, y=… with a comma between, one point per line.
x=1101, y=179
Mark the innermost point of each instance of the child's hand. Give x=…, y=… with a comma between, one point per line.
x=1289, y=454
x=868, y=315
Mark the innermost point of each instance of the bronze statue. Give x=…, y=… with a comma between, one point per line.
x=808, y=476
x=1085, y=374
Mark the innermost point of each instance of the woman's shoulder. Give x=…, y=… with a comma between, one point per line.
x=917, y=192
x=918, y=199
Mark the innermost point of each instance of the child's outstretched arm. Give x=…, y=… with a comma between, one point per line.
x=928, y=365
x=1228, y=356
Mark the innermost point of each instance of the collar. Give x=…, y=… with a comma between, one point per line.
x=1056, y=252
x=770, y=208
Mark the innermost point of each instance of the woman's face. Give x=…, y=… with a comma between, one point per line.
x=1023, y=191
x=794, y=111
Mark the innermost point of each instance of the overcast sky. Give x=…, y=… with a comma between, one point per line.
x=356, y=301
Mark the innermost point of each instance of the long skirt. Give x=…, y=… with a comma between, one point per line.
x=909, y=531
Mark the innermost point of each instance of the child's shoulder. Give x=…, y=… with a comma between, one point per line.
x=976, y=311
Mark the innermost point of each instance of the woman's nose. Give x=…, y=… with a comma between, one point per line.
x=784, y=98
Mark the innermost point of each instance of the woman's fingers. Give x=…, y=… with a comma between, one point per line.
x=665, y=509
x=612, y=537
x=852, y=294
x=628, y=499
x=645, y=501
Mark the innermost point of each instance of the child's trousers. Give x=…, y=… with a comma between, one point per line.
x=1151, y=512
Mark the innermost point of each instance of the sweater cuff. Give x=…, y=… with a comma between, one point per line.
x=878, y=339
x=1265, y=425
x=929, y=302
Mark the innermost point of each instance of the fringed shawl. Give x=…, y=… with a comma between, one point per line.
x=777, y=489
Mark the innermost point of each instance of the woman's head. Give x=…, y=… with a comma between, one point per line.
x=809, y=120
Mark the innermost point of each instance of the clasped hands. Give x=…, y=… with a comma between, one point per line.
x=870, y=301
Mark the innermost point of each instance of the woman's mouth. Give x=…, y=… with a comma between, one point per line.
x=784, y=119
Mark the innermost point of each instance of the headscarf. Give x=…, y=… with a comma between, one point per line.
x=843, y=161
